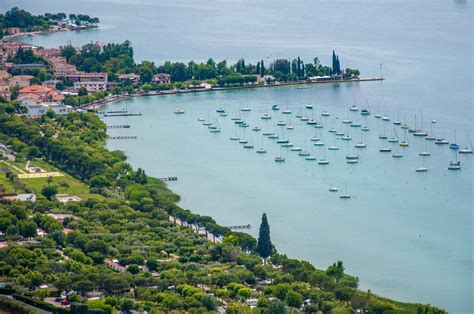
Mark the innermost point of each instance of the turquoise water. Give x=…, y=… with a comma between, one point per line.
x=407, y=235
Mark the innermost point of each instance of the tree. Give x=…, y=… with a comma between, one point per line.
x=82, y=91
x=264, y=244
x=28, y=228
x=49, y=192
x=336, y=270
x=294, y=299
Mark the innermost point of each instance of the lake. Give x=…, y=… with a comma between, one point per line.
x=406, y=235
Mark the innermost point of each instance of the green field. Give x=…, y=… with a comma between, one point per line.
x=65, y=184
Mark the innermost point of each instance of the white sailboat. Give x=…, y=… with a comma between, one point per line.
x=345, y=195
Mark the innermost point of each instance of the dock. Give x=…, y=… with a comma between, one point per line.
x=118, y=126
x=122, y=114
x=126, y=137
x=248, y=226
x=168, y=179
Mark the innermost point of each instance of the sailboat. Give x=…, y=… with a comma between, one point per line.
x=305, y=152
x=208, y=121
x=383, y=136
x=466, y=150
x=249, y=145
x=319, y=142
x=361, y=143
x=454, y=145
x=299, y=114
x=425, y=152
x=345, y=195
x=404, y=143
x=455, y=165
x=215, y=129
x=394, y=138
x=280, y=158
x=179, y=111
x=397, y=154
x=261, y=150
x=333, y=147
x=422, y=168
x=430, y=137
x=289, y=126
x=325, y=113
x=234, y=137
x=275, y=107
x=420, y=132
x=333, y=188
x=265, y=116
x=397, y=122
x=323, y=161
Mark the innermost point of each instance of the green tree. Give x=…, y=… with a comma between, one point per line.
x=82, y=91
x=294, y=299
x=336, y=270
x=264, y=244
x=49, y=192
x=28, y=228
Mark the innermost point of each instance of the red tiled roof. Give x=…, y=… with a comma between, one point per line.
x=35, y=89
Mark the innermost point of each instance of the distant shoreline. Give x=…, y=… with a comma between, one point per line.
x=115, y=98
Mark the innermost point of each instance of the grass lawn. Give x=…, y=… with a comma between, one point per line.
x=6, y=183
x=72, y=186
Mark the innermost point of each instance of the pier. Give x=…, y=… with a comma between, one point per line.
x=118, y=126
x=168, y=179
x=248, y=226
x=129, y=137
x=122, y=114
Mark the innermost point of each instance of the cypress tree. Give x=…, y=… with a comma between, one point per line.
x=262, y=68
x=258, y=68
x=333, y=62
x=264, y=245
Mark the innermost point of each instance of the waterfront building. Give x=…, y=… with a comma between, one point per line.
x=45, y=94
x=91, y=86
x=161, y=78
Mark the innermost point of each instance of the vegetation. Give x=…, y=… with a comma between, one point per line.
x=175, y=260
x=28, y=22
x=117, y=59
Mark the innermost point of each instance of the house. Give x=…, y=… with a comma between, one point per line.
x=91, y=86
x=41, y=233
x=131, y=77
x=51, y=83
x=47, y=94
x=64, y=198
x=79, y=76
x=114, y=265
x=161, y=78
x=39, y=109
x=12, y=30
x=5, y=76
x=5, y=90
x=20, y=81
x=29, y=66
x=18, y=197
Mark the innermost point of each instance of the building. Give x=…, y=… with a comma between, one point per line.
x=114, y=265
x=20, y=81
x=46, y=94
x=78, y=76
x=161, y=78
x=18, y=197
x=132, y=77
x=39, y=109
x=91, y=86
x=12, y=30
x=5, y=90
x=51, y=83
x=29, y=66
x=5, y=76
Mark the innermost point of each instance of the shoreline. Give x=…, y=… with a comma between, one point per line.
x=43, y=32
x=98, y=104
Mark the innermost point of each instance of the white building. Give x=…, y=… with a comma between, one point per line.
x=91, y=86
x=39, y=109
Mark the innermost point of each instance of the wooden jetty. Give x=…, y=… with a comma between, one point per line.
x=118, y=126
x=168, y=179
x=248, y=226
x=123, y=137
x=122, y=114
